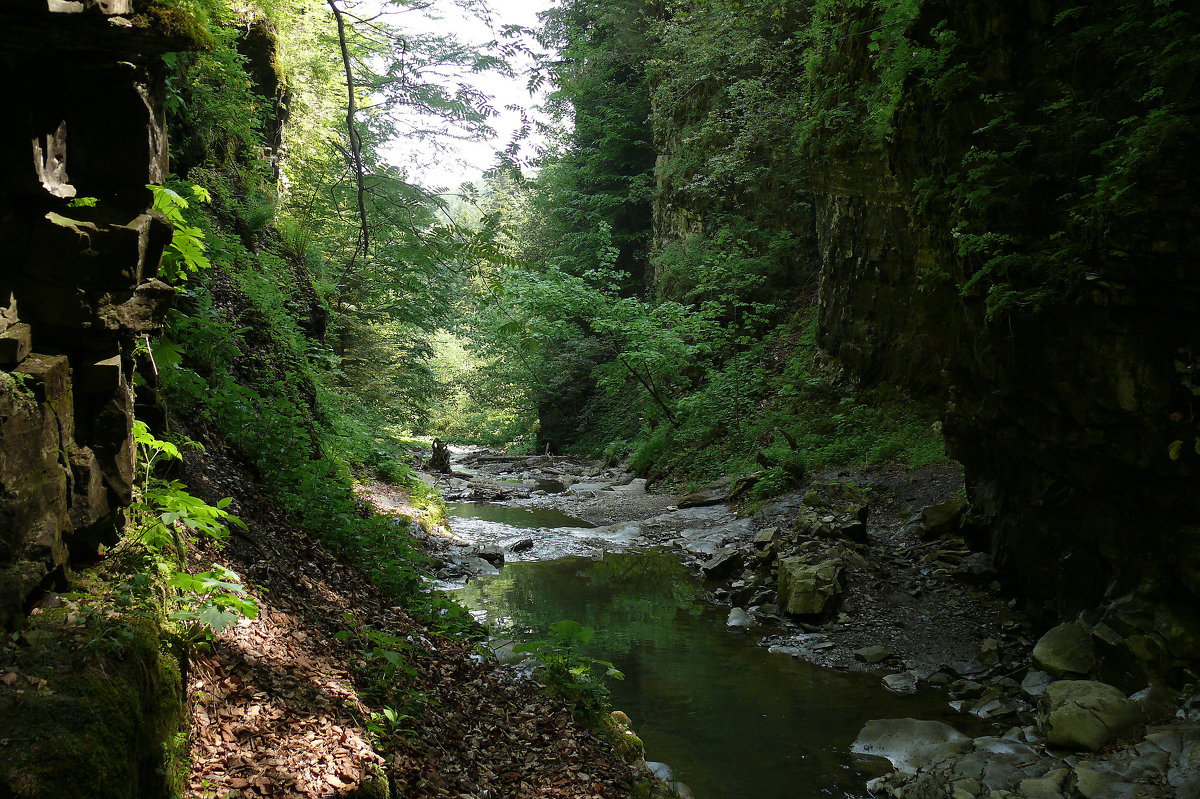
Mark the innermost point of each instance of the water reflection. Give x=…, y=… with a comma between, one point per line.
x=733, y=720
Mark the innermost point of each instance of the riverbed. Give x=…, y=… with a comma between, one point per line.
x=732, y=719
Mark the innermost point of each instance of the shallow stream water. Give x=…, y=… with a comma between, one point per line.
x=733, y=720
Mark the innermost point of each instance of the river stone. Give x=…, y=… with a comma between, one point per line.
x=738, y=618
x=903, y=683
x=492, y=553
x=937, y=520
x=1036, y=682
x=518, y=544
x=1086, y=715
x=723, y=564
x=1065, y=650
x=807, y=588
x=910, y=743
x=1048, y=786
x=873, y=654
x=1095, y=781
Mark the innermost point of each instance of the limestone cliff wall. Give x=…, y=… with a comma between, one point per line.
x=78, y=285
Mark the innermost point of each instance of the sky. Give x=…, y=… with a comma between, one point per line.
x=466, y=161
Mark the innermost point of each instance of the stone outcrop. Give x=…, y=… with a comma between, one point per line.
x=1076, y=424
x=809, y=585
x=79, y=254
x=1064, y=420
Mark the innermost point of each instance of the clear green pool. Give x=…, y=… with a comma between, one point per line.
x=734, y=721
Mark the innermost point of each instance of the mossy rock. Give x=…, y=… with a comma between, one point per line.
x=94, y=706
x=616, y=729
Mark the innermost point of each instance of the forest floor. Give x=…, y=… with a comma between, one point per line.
x=281, y=705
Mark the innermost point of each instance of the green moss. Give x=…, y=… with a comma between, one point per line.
x=615, y=729
x=177, y=19
x=97, y=708
x=375, y=787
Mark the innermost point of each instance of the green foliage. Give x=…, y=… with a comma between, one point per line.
x=571, y=675
x=165, y=516
x=185, y=254
x=213, y=600
x=387, y=677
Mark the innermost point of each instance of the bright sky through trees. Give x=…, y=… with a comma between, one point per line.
x=465, y=161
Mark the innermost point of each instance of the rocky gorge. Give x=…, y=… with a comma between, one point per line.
x=870, y=572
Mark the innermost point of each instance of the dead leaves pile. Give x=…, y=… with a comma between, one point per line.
x=276, y=710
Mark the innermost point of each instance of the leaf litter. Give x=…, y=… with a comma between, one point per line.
x=279, y=708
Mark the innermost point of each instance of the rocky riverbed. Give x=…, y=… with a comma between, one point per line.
x=871, y=570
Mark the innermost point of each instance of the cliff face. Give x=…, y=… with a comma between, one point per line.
x=957, y=258
x=1067, y=418
x=77, y=287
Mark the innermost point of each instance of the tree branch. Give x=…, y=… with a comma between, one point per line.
x=364, y=235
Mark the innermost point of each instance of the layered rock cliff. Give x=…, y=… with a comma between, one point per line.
x=90, y=702
x=78, y=290
x=992, y=250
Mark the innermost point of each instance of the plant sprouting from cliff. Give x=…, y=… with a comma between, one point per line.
x=165, y=516
x=166, y=511
x=186, y=252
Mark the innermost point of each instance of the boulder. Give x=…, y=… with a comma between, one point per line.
x=808, y=587
x=1065, y=650
x=938, y=520
x=15, y=344
x=519, y=544
x=910, y=744
x=723, y=564
x=873, y=654
x=738, y=618
x=1086, y=715
x=492, y=553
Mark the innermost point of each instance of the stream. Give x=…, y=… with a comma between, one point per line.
x=732, y=719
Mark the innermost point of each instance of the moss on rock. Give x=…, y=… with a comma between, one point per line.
x=92, y=700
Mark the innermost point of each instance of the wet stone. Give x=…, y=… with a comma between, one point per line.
x=1065, y=650
x=723, y=564
x=738, y=618
x=903, y=683
x=910, y=743
x=873, y=654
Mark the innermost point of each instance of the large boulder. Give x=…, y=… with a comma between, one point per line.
x=808, y=585
x=1065, y=650
x=1086, y=715
x=910, y=744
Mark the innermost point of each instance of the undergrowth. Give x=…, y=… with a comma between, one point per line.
x=770, y=409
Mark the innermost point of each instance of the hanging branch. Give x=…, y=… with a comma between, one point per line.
x=653, y=393
x=364, y=234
